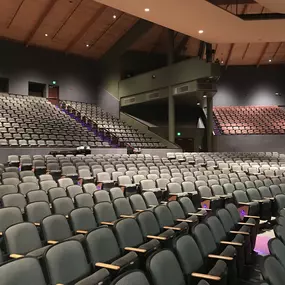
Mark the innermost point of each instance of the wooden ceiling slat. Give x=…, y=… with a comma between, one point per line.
x=15, y=14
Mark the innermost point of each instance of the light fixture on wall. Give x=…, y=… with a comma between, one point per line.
x=205, y=96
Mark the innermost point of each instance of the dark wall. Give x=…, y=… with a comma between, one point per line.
x=249, y=85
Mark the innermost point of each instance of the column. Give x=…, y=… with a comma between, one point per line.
x=171, y=103
x=209, y=122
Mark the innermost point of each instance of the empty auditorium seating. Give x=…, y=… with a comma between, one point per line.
x=249, y=120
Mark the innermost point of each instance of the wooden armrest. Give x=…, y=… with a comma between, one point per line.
x=205, y=209
x=82, y=232
x=183, y=220
x=259, y=201
x=107, y=223
x=253, y=217
x=231, y=243
x=172, y=228
x=52, y=242
x=139, y=211
x=241, y=233
x=246, y=224
x=37, y=224
x=269, y=198
x=126, y=216
x=206, y=276
x=108, y=266
x=220, y=257
x=152, y=205
x=156, y=237
x=196, y=214
x=140, y=250
x=15, y=256
x=208, y=198
x=59, y=284
x=244, y=203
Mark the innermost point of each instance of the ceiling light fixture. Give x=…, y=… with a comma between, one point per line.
x=46, y=35
x=201, y=32
x=87, y=45
x=198, y=104
x=270, y=60
x=114, y=16
x=205, y=96
x=146, y=9
x=222, y=62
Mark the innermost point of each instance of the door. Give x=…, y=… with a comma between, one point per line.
x=53, y=94
x=187, y=144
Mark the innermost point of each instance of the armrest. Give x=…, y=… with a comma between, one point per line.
x=206, y=276
x=172, y=228
x=240, y=233
x=220, y=257
x=108, y=266
x=208, y=198
x=156, y=237
x=139, y=211
x=140, y=250
x=15, y=256
x=52, y=241
x=126, y=216
x=253, y=217
x=107, y=223
x=183, y=220
x=82, y=232
x=259, y=201
x=196, y=214
x=244, y=203
x=152, y=205
x=269, y=198
x=231, y=243
x=37, y=224
x=246, y=224
x=205, y=209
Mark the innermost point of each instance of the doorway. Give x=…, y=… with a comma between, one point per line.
x=187, y=144
x=37, y=89
x=4, y=85
x=53, y=94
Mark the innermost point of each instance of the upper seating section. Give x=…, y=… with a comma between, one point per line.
x=106, y=124
x=27, y=121
x=252, y=120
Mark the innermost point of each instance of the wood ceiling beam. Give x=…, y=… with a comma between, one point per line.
x=15, y=14
x=40, y=21
x=245, y=51
x=278, y=48
x=262, y=54
x=229, y=55
x=67, y=19
x=94, y=42
x=85, y=28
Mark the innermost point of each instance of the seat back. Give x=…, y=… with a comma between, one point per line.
x=148, y=223
x=101, y=196
x=277, y=249
x=226, y=219
x=164, y=268
x=137, y=202
x=48, y=184
x=22, y=238
x=24, y=271
x=82, y=219
x=187, y=205
x=176, y=210
x=37, y=196
x=55, y=227
x=253, y=194
x=64, y=182
x=122, y=207
x=14, y=200
x=56, y=192
x=73, y=190
x=37, y=211
x=205, y=191
x=83, y=200
x=147, y=184
x=116, y=192
x=240, y=196
x=173, y=187
x=275, y=190
x=9, y=216
x=265, y=192
x=163, y=216
x=217, y=229
x=62, y=206
x=273, y=272
x=104, y=212
x=131, y=277
x=150, y=199
x=188, y=186
x=69, y=256
x=229, y=188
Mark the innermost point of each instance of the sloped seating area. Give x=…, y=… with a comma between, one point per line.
x=249, y=120
x=27, y=121
x=101, y=219
x=103, y=122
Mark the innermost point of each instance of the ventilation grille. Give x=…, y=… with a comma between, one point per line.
x=130, y=100
x=154, y=95
x=182, y=89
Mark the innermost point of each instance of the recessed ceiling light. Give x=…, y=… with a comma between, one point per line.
x=270, y=60
x=46, y=35
x=198, y=104
x=201, y=32
x=87, y=45
x=205, y=96
x=222, y=62
x=146, y=9
x=114, y=16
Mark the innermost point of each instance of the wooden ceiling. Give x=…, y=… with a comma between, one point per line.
x=90, y=29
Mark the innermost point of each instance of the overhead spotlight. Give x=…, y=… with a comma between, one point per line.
x=205, y=96
x=200, y=31
x=198, y=104
x=87, y=45
x=46, y=35
x=222, y=62
x=153, y=76
x=114, y=16
x=146, y=9
x=270, y=60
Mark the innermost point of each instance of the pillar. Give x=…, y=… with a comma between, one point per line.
x=171, y=103
x=209, y=122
